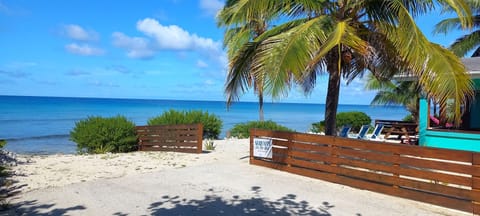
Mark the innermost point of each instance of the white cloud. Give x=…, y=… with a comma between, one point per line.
x=77, y=72
x=201, y=64
x=4, y=9
x=211, y=7
x=209, y=82
x=136, y=47
x=160, y=37
x=173, y=37
x=83, y=49
x=76, y=32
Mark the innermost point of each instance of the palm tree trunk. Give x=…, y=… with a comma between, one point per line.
x=260, y=106
x=331, y=103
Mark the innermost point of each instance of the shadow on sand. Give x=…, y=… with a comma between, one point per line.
x=34, y=208
x=254, y=205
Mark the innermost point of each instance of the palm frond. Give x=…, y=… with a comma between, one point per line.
x=441, y=74
x=286, y=53
x=239, y=74
x=465, y=44
x=447, y=25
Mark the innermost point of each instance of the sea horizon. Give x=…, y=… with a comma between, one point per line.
x=172, y=99
x=41, y=124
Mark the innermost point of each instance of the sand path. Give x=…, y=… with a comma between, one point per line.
x=217, y=183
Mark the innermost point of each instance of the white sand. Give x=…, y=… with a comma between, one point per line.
x=44, y=171
x=164, y=183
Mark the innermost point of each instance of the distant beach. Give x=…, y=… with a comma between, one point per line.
x=41, y=125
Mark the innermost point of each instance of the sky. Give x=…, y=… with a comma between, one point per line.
x=147, y=49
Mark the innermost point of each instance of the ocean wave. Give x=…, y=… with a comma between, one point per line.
x=46, y=137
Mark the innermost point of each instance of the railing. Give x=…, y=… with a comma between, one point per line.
x=178, y=138
x=448, y=178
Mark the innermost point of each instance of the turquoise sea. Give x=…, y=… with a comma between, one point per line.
x=41, y=125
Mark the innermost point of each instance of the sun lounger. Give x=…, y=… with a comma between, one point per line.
x=344, y=131
x=362, y=134
x=376, y=132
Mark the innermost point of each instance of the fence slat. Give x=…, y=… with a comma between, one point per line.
x=449, y=178
x=178, y=138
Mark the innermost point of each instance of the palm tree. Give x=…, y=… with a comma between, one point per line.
x=345, y=38
x=239, y=32
x=389, y=92
x=468, y=42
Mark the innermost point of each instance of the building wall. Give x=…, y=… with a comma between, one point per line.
x=475, y=108
x=444, y=139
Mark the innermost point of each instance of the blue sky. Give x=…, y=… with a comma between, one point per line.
x=168, y=49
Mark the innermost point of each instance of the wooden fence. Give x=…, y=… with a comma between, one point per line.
x=178, y=138
x=448, y=178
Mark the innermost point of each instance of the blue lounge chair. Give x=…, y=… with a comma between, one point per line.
x=344, y=131
x=377, y=131
x=362, y=134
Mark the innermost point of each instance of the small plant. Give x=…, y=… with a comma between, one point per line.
x=209, y=145
x=242, y=130
x=318, y=127
x=212, y=124
x=101, y=135
x=4, y=181
x=355, y=119
x=408, y=118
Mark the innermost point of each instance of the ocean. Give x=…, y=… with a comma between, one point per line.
x=41, y=125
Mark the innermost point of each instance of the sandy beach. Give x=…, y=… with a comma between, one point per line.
x=221, y=182
x=35, y=172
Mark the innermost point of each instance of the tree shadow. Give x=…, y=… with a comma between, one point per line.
x=35, y=208
x=213, y=204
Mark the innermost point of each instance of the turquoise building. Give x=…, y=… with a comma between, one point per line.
x=467, y=137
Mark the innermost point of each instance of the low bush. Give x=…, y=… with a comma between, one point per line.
x=242, y=130
x=318, y=127
x=100, y=135
x=408, y=118
x=212, y=124
x=354, y=119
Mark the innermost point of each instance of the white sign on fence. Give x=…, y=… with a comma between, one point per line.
x=262, y=147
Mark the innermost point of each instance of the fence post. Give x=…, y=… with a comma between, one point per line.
x=252, y=134
x=200, y=138
x=475, y=182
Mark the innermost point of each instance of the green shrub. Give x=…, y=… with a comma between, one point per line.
x=212, y=124
x=354, y=119
x=100, y=135
x=318, y=127
x=3, y=143
x=242, y=130
x=408, y=118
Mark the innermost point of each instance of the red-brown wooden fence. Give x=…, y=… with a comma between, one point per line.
x=179, y=138
x=447, y=178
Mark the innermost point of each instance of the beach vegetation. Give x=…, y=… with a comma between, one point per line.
x=345, y=40
x=212, y=124
x=354, y=119
x=100, y=135
x=466, y=43
x=242, y=130
x=409, y=118
x=4, y=181
x=209, y=145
